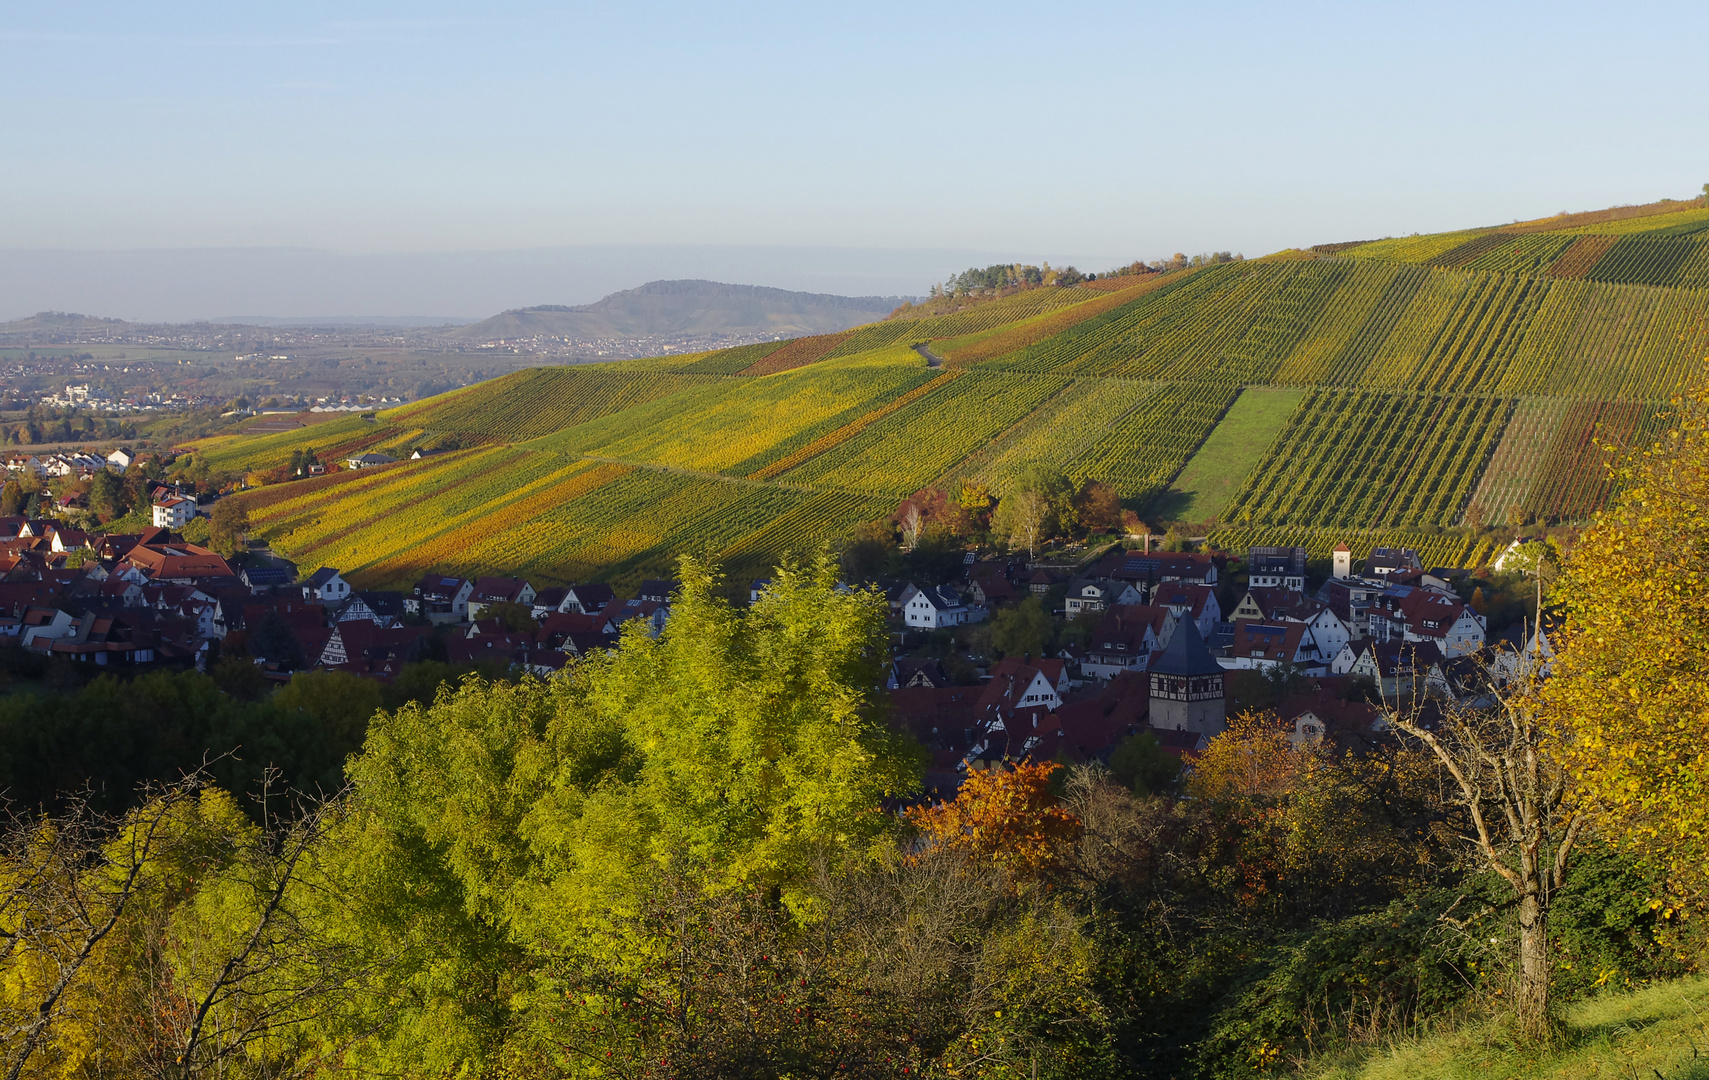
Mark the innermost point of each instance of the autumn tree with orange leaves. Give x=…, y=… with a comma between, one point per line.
x=1309, y=816
x=1007, y=815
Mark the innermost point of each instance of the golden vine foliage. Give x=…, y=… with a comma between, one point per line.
x=1630, y=685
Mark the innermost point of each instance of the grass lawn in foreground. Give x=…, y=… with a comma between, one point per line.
x=1662, y=1030
x=1215, y=473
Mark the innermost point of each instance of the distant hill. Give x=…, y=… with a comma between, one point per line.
x=59, y=322
x=661, y=308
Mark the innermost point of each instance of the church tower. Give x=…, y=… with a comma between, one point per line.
x=1186, y=685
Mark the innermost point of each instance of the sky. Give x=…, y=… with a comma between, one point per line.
x=173, y=160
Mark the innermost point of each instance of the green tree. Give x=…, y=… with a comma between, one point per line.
x=238, y=676
x=1036, y=507
x=515, y=618
x=509, y=825
x=1144, y=766
x=1023, y=628
x=108, y=496
x=272, y=639
x=228, y=526
x=870, y=552
x=340, y=703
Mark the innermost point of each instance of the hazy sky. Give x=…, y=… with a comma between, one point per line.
x=1084, y=131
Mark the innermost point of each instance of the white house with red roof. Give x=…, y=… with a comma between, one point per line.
x=489, y=591
x=1416, y=615
x=1263, y=646
x=173, y=512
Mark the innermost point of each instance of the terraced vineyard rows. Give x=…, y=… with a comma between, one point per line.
x=818, y=517
x=798, y=352
x=1439, y=379
x=1695, y=274
x=1508, y=478
x=1581, y=257
x=1471, y=250
x=1336, y=332
x=971, y=348
x=1453, y=549
x=1117, y=343
x=731, y=361
x=1143, y=450
x=1681, y=219
x=1530, y=255
x=844, y=432
x=1611, y=341
x=270, y=451
x=905, y=450
x=539, y=401
x=1418, y=250
x=1642, y=261
x=1056, y=433
x=566, y=522
x=994, y=313
x=1552, y=464
x=1573, y=479
x=467, y=493
x=1373, y=459
x=741, y=425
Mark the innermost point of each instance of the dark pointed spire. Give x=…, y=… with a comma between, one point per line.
x=1186, y=653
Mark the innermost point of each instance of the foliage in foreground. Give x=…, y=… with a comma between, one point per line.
x=679, y=859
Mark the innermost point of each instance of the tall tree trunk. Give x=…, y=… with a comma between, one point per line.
x=1531, y=990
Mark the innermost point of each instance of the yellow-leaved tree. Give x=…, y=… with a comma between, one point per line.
x=1630, y=679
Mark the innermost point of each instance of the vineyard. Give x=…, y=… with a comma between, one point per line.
x=905, y=450
x=739, y=426
x=332, y=440
x=1553, y=461
x=1054, y=434
x=1388, y=391
x=970, y=348
x=1458, y=548
x=539, y=401
x=1373, y=459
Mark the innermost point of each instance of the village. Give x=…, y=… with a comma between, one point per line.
x=1139, y=648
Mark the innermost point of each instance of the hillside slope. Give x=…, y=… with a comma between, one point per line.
x=686, y=308
x=1657, y=1031
x=1437, y=384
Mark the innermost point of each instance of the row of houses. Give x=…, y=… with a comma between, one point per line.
x=46, y=466
x=501, y=621
x=117, y=599
x=1162, y=649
